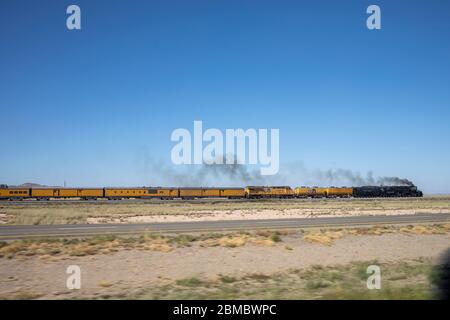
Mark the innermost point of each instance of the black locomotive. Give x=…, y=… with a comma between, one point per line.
x=386, y=191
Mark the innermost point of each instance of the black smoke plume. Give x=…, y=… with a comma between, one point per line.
x=394, y=181
x=238, y=175
x=206, y=175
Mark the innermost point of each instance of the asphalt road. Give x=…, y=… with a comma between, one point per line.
x=11, y=232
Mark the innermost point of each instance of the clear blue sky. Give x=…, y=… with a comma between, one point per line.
x=93, y=106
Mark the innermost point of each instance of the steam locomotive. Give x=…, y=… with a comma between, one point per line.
x=386, y=191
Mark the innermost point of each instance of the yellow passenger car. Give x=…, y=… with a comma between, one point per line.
x=210, y=192
x=66, y=193
x=90, y=193
x=119, y=193
x=232, y=193
x=14, y=193
x=84, y=193
x=190, y=193
x=45, y=193
x=163, y=193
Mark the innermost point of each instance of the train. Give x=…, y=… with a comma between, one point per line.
x=167, y=193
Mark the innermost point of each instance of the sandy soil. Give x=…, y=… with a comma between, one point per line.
x=129, y=270
x=254, y=214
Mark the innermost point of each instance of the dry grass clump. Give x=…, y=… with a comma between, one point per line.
x=269, y=233
x=434, y=229
x=160, y=244
x=22, y=295
x=323, y=237
x=231, y=242
x=262, y=238
x=29, y=248
x=82, y=247
x=326, y=237
x=104, y=284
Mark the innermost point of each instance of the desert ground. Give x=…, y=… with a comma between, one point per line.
x=62, y=212
x=265, y=264
x=294, y=264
